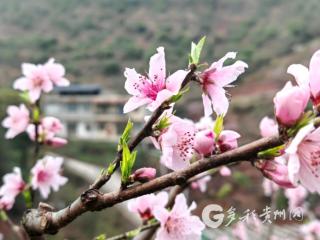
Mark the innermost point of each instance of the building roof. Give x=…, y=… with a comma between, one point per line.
x=79, y=89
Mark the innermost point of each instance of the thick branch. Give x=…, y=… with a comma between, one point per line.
x=38, y=222
x=146, y=131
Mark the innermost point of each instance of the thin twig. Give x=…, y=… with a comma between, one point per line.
x=128, y=235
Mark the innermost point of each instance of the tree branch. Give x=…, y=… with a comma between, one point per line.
x=44, y=221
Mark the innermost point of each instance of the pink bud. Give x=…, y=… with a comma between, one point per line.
x=225, y=171
x=56, y=142
x=277, y=172
x=204, y=142
x=290, y=103
x=228, y=140
x=144, y=174
x=268, y=127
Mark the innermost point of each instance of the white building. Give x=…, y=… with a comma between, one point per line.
x=89, y=113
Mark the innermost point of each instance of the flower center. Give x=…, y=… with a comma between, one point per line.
x=185, y=145
x=43, y=176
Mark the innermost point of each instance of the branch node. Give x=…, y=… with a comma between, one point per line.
x=90, y=197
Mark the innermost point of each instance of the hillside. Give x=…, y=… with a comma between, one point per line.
x=97, y=39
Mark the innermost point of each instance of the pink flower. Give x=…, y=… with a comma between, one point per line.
x=304, y=158
x=13, y=185
x=311, y=229
x=146, y=204
x=213, y=81
x=178, y=224
x=35, y=80
x=225, y=171
x=268, y=127
x=309, y=77
x=296, y=196
x=204, y=142
x=277, y=172
x=240, y=231
x=228, y=140
x=47, y=131
x=17, y=120
x=201, y=183
x=176, y=144
x=144, y=174
x=56, y=72
x=290, y=103
x=52, y=124
x=154, y=89
x=46, y=175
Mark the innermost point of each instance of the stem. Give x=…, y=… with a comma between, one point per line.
x=128, y=235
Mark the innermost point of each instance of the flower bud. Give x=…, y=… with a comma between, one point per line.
x=290, y=103
x=204, y=142
x=144, y=174
x=277, y=173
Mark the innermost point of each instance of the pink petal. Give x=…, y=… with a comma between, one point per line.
x=315, y=74
x=219, y=63
x=174, y=81
x=28, y=69
x=157, y=67
x=134, y=82
x=293, y=167
x=300, y=73
x=135, y=102
x=219, y=100
x=228, y=74
x=21, y=84
x=207, y=105
x=161, y=214
x=162, y=96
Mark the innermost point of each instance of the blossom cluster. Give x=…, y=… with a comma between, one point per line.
x=299, y=159
x=45, y=175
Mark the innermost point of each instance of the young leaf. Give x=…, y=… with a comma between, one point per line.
x=101, y=237
x=271, y=153
x=177, y=97
x=127, y=163
x=218, y=126
x=27, y=198
x=196, y=51
x=125, y=137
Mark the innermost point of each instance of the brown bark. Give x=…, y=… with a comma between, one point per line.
x=44, y=221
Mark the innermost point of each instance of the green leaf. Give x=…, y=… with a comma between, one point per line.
x=225, y=190
x=163, y=123
x=25, y=97
x=127, y=163
x=271, y=153
x=304, y=121
x=3, y=215
x=27, y=197
x=218, y=126
x=178, y=96
x=133, y=233
x=125, y=137
x=196, y=51
x=101, y=237
x=36, y=114
x=111, y=168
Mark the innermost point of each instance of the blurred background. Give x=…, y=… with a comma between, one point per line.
x=96, y=40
